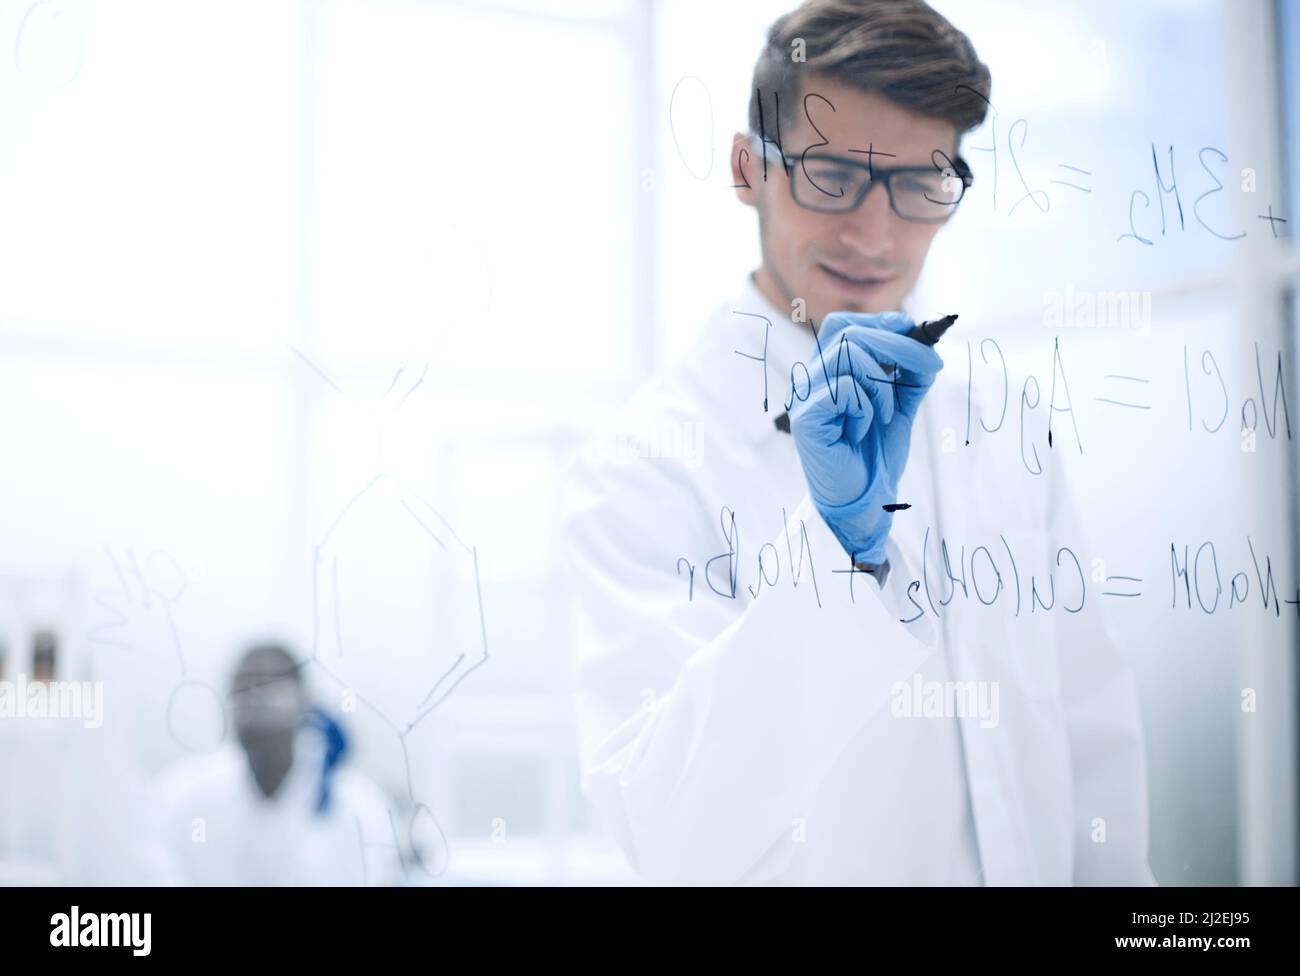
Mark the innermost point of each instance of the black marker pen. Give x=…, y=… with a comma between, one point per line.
x=927, y=332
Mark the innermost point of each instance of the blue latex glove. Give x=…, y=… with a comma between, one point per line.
x=336, y=747
x=854, y=430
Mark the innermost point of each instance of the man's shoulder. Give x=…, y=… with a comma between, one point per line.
x=693, y=385
x=650, y=459
x=191, y=778
x=653, y=438
x=673, y=396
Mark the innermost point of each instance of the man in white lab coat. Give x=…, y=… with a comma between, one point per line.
x=275, y=806
x=752, y=705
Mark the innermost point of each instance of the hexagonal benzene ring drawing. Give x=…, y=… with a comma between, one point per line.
x=398, y=613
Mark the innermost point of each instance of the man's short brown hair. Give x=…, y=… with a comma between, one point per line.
x=903, y=50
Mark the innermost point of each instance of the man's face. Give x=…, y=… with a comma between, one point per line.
x=863, y=261
x=266, y=696
x=268, y=705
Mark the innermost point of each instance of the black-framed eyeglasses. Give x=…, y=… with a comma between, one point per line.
x=836, y=184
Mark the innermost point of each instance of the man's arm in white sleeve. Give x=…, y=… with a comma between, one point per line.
x=700, y=741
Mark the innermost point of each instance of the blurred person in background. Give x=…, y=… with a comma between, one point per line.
x=275, y=807
x=754, y=624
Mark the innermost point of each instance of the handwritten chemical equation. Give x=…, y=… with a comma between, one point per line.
x=991, y=574
x=1009, y=156
x=1207, y=158
x=1204, y=393
x=1037, y=413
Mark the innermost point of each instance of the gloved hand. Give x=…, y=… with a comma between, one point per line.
x=336, y=747
x=854, y=429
